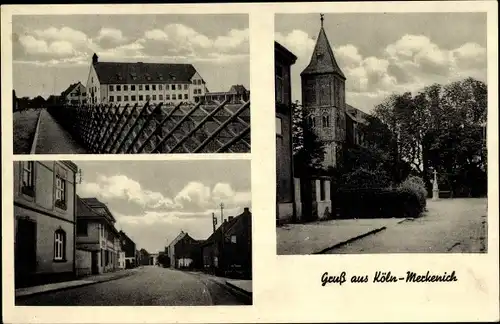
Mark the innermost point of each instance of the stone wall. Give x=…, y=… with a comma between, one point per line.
x=83, y=262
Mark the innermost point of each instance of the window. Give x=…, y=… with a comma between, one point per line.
x=84, y=94
x=140, y=87
x=173, y=86
x=160, y=87
x=167, y=87
x=326, y=121
x=81, y=228
x=233, y=238
x=118, y=88
x=153, y=87
x=118, y=98
x=111, y=99
x=322, y=190
x=28, y=187
x=167, y=97
x=110, y=88
x=141, y=97
x=132, y=98
x=60, y=192
x=59, y=245
x=132, y=87
x=194, y=82
x=160, y=97
x=279, y=127
x=125, y=88
x=312, y=121
x=185, y=87
x=279, y=88
x=147, y=87
x=125, y=98
x=186, y=96
x=173, y=97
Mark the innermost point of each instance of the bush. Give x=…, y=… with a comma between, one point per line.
x=415, y=186
x=376, y=203
x=364, y=178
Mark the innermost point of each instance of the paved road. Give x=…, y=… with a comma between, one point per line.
x=54, y=139
x=150, y=286
x=450, y=225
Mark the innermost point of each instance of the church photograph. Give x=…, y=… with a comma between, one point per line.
x=381, y=133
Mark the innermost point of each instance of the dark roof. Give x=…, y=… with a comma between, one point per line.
x=84, y=210
x=95, y=203
x=322, y=59
x=238, y=88
x=225, y=226
x=69, y=89
x=140, y=73
x=356, y=114
x=284, y=53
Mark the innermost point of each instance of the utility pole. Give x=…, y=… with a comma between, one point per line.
x=221, y=256
x=214, y=221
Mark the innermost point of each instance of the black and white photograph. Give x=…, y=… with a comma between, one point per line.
x=381, y=133
x=130, y=84
x=134, y=233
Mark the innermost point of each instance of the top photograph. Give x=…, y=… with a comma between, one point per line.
x=131, y=84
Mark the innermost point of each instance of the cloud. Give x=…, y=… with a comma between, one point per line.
x=120, y=187
x=173, y=42
x=408, y=64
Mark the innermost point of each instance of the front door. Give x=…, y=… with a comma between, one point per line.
x=25, y=251
x=95, y=262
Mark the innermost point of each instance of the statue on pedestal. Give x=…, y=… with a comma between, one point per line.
x=435, y=187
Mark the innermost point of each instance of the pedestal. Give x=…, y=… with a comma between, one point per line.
x=435, y=194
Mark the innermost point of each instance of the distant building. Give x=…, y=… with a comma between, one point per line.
x=228, y=251
x=184, y=251
x=237, y=94
x=75, y=94
x=285, y=194
x=44, y=211
x=136, y=83
x=153, y=259
x=144, y=257
x=53, y=100
x=128, y=248
x=96, y=232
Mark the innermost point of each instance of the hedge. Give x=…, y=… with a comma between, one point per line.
x=376, y=203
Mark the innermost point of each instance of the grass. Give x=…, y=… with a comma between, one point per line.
x=24, y=126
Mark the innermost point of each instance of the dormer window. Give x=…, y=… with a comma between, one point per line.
x=133, y=75
x=160, y=76
x=118, y=76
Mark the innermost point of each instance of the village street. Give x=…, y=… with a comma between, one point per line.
x=448, y=226
x=147, y=286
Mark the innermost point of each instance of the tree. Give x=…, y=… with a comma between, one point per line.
x=308, y=149
x=37, y=102
x=15, y=104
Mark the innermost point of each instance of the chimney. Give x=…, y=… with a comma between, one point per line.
x=95, y=58
x=230, y=218
x=225, y=221
x=246, y=210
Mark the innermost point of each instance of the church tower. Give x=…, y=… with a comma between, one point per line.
x=323, y=98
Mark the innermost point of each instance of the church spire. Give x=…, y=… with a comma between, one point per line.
x=322, y=60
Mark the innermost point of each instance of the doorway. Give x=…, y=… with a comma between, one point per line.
x=25, y=249
x=95, y=262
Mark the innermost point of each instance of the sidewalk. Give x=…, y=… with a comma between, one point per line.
x=317, y=237
x=242, y=286
x=54, y=139
x=29, y=291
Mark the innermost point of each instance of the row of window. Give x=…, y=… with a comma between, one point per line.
x=28, y=186
x=148, y=87
x=324, y=119
x=148, y=97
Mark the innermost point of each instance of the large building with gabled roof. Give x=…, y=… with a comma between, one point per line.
x=136, y=83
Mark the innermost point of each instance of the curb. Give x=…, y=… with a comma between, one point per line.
x=35, y=138
x=71, y=287
x=351, y=240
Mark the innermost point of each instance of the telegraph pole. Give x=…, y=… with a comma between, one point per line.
x=221, y=254
x=214, y=221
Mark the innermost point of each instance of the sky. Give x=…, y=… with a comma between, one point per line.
x=153, y=201
x=52, y=52
x=385, y=53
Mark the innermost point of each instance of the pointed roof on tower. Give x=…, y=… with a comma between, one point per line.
x=322, y=59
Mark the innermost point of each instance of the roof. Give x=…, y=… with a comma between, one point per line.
x=225, y=226
x=284, y=53
x=95, y=203
x=356, y=114
x=238, y=88
x=322, y=59
x=84, y=210
x=70, y=88
x=141, y=73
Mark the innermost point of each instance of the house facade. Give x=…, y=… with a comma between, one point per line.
x=184, y=252
x=96, y=232
x=285, y=184
x=75, y=94
x=237, y=94
x=44, y=211
x=128, y=249
x=143, y=257
x=228, y=251
x=136, y=83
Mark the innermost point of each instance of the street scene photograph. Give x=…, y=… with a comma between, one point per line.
x=132, y=233
x=131, y=84
x=381, y=123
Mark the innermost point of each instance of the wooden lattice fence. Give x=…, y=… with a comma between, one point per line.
x=159, y=128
